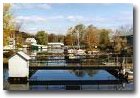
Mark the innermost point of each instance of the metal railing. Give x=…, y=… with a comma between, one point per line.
x=110, y=62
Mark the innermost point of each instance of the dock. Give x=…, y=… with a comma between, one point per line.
x=75, y=82
x=91, y=67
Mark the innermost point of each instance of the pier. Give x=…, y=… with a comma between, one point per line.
x=85, y=62
x=105, y=67
x=75, y=82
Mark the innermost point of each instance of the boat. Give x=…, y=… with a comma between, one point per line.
x=71, y=51
x=129, y=73
x=80, y=52
x=109, y=63
x=76, y=54
x=72, y=56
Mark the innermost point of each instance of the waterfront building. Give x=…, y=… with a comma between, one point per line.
x=19, y=66
x=31, y=41
x=55, y=45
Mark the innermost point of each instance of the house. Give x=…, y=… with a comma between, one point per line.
x=31, y=41
x=19, y=67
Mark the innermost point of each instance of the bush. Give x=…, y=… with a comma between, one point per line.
x=19, y=45
x=8, y=54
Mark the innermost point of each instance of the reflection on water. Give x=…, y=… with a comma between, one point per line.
x=72, y=75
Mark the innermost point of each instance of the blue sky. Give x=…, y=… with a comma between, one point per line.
x=57, y=18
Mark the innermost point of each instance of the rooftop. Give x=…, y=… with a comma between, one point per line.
x=55, y=43
x=23, y=55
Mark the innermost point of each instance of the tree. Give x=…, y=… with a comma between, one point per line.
x=78, y=31
x=70, y=37
x=8, y=24
x=91, y=37
x=55, y=38
x=120, y=38
x=104, y=39
x=60, y=38
x=42, y=37
x=68, y=40
x=125, y=30
x=18, y=36
x=51, y=37
x=117, y=44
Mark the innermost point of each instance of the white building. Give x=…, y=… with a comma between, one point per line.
x=31, y=41
x=19, y=65
x=55, y=45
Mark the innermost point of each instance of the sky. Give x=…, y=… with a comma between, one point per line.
x=58, y=17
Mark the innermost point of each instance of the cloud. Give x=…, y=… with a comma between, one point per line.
x=30, y=19
x=55, y=17
x=38, y=19
x=69, y=18
x=88, y=20
x=34, y=23
x=75, y=18
x=31, y=6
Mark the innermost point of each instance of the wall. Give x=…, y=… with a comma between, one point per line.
x=18, y=67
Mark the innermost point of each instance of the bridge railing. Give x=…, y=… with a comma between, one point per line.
x=126, y=62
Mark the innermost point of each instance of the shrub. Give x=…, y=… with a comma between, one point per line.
x=8, y=54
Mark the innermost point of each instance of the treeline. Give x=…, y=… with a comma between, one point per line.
x=89, y=37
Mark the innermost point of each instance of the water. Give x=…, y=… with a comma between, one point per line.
x=69, y=75
x=72, y=75
x=56, y=75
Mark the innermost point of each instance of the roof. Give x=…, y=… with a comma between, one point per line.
x=30, y=39
x=55, y=43
x=23, y=55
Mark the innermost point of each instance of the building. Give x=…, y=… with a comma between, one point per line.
x=39, y=47
x=19, y=67
x=31, y=41
x=55, y=45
